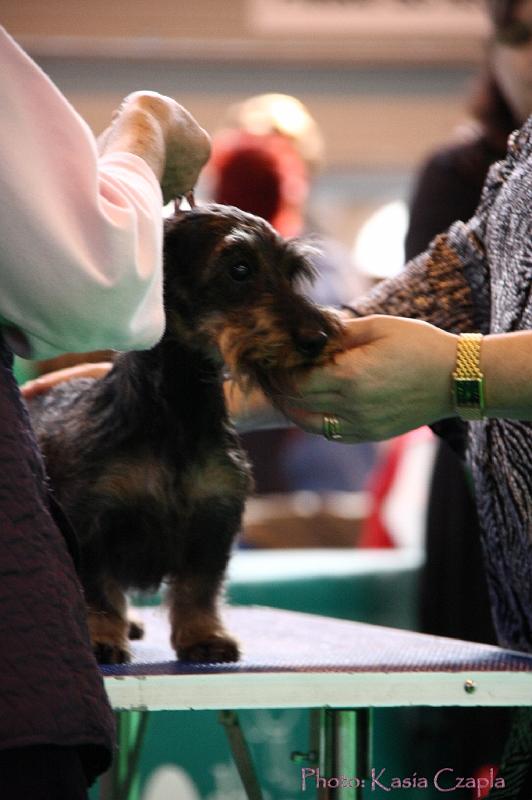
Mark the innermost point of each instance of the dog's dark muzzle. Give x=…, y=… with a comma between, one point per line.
x=311, y=343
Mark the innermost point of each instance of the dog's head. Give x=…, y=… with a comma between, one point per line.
x=232, y=282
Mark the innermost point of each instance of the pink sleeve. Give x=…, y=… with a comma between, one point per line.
x=81, y=237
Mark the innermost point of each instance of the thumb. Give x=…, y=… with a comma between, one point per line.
x=358, y=332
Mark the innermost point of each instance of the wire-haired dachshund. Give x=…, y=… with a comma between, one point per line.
x=145, y=461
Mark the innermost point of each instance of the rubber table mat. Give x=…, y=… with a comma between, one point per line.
x=273, y=640
x=298, y=660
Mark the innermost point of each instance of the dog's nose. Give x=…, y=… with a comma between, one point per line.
x=311, y=343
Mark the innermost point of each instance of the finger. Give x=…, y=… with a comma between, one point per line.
x=318, y=402
x=39, y=386
x=313, y=423
x=44, y=383
x=359, y=331
x=309, y=421
x=328, y=382
x=34, y=387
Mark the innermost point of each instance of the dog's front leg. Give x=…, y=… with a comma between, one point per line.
x=198, y=633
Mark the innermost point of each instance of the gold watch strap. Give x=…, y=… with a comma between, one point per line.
x=468, y=379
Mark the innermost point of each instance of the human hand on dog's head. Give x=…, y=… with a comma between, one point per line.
x=165, y=135
x=394, y=377
x=45, y=382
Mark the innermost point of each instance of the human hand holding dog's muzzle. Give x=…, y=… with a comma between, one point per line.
x=393, y=377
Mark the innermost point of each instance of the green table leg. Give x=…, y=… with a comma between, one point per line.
x=241, y=754
x=344, y=753
x=122, y=781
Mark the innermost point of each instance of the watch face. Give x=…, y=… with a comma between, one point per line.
x=469, y=398
x=469, y=392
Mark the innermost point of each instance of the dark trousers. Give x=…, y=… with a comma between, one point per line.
x=42, y=773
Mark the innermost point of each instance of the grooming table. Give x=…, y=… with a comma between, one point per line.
x=294, y=660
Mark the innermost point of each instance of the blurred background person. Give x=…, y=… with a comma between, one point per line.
x=264, y=159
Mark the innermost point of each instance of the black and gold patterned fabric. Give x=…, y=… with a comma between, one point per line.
x=477, y=277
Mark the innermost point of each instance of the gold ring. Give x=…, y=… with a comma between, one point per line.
x=331, y=428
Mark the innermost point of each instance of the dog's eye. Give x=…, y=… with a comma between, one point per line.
x=240, y=272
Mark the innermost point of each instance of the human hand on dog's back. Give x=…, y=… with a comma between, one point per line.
x=42, y=384
x=165, y=135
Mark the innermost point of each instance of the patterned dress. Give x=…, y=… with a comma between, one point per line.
x=478, y=277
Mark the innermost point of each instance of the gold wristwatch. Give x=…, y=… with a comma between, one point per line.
x=468, y=379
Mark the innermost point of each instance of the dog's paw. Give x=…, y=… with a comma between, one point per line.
x=107, y=653
x=214, y=650
x=135, y=630
x=109, y=637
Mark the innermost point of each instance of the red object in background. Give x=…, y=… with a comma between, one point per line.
x=486, y=773
x=260, y=174
x=374, y=532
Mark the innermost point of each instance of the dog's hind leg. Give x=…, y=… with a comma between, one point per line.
x=109, y=626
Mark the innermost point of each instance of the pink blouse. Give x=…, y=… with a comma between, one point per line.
x=80, y=236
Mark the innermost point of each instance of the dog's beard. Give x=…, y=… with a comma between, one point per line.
x=268, y=360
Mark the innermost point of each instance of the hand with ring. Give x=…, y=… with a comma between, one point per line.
x=395, y=376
